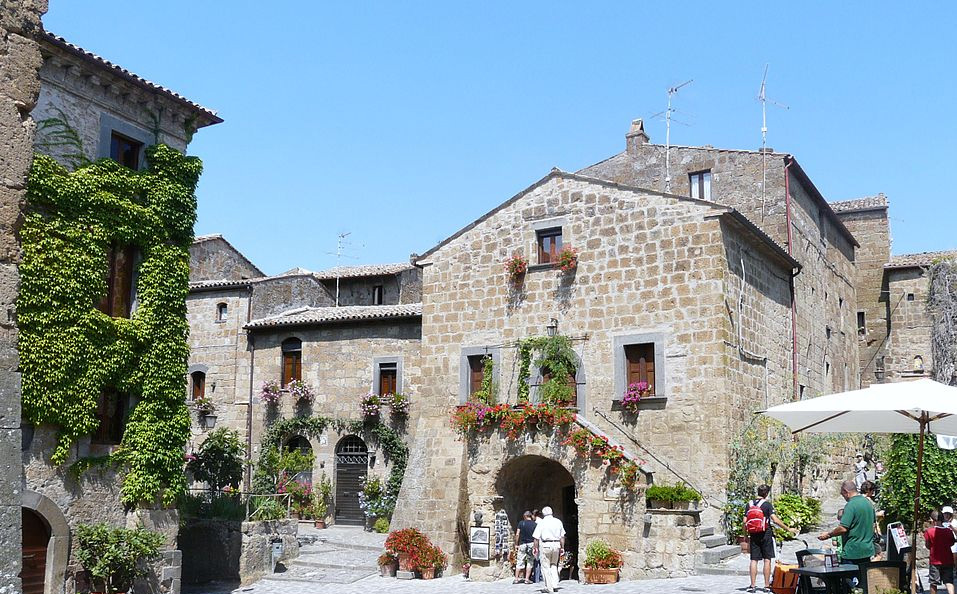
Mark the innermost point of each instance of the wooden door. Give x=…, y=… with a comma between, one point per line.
x=352, y=463
x=36, y=536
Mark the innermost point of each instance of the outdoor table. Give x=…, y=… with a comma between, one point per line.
x=831, y=576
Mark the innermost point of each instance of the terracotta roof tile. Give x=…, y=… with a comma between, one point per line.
x=919, y=260
x=866, y=203
x=320, y=315
x=359, y=271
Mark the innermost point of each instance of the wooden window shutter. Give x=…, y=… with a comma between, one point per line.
x=641, y=364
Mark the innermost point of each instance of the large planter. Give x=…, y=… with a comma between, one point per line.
x=405, y=563
x=659, y=504
x=388, y=570
x=685, y=505
x=427, y=574
x=601, y=576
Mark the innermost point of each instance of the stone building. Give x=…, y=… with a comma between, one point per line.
x=116, y=114
x=248, y=328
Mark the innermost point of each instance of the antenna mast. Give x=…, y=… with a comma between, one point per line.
x=672, y=91
x=340, y=242
x=762, y=97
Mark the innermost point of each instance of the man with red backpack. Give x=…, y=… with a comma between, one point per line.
x=758, y=517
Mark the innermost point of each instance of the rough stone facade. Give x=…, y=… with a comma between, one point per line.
x=908, y=351
x=212, y=257
x=19, y=86
x=652, y=268
x=234, y=552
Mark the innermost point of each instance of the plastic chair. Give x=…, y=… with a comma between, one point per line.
x=811, y=558
x=879, y=576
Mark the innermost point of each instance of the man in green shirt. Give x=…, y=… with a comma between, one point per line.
x=857, y=526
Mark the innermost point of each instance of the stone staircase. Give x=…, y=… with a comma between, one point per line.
x=336, y=555
x=712, y=558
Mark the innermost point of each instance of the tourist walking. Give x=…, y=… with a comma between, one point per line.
x=524, y=547
x=940, y=538
x=856, y=528
x=549, y=543
x=758, y=518
x=860, y=470
x=537, y=568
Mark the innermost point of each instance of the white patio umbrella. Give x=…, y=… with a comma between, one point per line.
x=915, y=406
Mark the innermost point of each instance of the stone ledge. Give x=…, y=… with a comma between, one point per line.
x=674, y=512
x=649, y=403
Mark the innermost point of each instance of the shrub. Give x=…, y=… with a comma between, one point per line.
x=796, y=511
x=222, y=506
x=381, y=525
x=323, y=496
x=219, y=462
x=598, y=555
x=406, y=541
x=672, y=493
x=113, y=555
x=266, y=508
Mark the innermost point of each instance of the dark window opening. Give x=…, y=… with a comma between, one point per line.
x=222, y=310
x=549, y=245
x=640, y=359
x=377, y=295
x=111, y=412
x=910, y=296
x=861, y=325
x=125, y=151
x=476, y=373
x=388, y=378
x=291, y=360
x=118, y=301
x=198, y=385
x=700, y=183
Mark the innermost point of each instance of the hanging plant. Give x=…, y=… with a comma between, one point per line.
x=270, y=393
x=369, y=405
x=204, y=406
x=567, y=259
x=633, y=395
x=300, y=391
x=516, y=266
x=399, y=403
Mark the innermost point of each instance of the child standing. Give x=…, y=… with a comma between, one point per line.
x=939, y=539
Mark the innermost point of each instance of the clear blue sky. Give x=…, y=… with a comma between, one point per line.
x=403, y=121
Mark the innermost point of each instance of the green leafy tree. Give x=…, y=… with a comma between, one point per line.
x=114, y=556
x=219, y=462
x=938, y=480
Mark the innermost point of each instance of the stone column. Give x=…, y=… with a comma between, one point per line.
x=19, y=85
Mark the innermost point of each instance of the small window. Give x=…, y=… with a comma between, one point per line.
x=640, y=359
x=388, y=378
x=222, y=312
x=700, y=183
x=801, y=390
x=910, y=296
x=111, y=412
x=198, y=388
x=861, y=324
x=549, y=245
x=291, y=360
x=377, y=295
x=476, y=373
x=125, y=151
x=918, y=364
x=118, y=301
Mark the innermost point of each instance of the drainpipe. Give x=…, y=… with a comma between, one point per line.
x=794, y=340
x=251, y=341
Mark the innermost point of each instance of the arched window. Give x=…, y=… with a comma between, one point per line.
x=291, y=360
x=222, y=310
x=198, y=387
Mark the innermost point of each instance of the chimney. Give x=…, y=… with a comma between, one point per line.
x=636, y=136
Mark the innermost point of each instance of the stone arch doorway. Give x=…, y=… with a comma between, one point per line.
x=46, y=545
x=352, y=465
x=532, y=482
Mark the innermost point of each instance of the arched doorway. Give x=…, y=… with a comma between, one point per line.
x=532, y=482
x=352, y=464
x=36, y=539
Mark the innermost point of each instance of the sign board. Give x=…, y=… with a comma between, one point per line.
x=897, y=541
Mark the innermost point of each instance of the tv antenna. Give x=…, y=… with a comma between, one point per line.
x=341, y=245
x=672, y=91
x=763, y=98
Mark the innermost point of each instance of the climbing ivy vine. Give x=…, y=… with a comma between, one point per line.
x=69, y=350
x=556, y=358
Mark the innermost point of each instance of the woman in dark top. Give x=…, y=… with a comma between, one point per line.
x=524, y=543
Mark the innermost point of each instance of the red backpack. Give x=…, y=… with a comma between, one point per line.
x=754, y=520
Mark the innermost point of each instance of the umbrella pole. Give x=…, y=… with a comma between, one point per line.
x=920, y=467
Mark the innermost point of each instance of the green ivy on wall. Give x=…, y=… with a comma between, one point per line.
x=556, y=359
x=69, y=350
x=396, y=452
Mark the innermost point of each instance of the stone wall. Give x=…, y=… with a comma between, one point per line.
x=276, y=294
x=404, y=287
x=911, y=324
x=651, y=268
x=214, y=258
x=231, y=551
x=19, y=86
x=872, y=230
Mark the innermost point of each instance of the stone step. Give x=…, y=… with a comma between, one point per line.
x=356, y=567
x=715, y=570
x=715, y=540
x=718, y=554
x=706, y=531
x=349, y=545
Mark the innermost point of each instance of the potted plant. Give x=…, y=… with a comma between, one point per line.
x=403, y=543
x=301, y=392
x=677, y=496
x=430, y=560
x=602, y=563
x=633, y=395
x=516, y=267
x=270, y=393
x=369, y=405
x=205, y=408
x=399, y=403
x=567, y=259
x=388, y=564
x=114, y=556
x=323, y=492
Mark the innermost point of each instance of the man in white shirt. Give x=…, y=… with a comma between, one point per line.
x=549, y=543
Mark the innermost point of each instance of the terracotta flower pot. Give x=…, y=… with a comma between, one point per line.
x=405, y=563
x=601, y=576
x=428, y=573
x=388, y=570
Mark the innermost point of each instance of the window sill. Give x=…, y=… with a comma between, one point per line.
x=649, y=403
x=541, y=267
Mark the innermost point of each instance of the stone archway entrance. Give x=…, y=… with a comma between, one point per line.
x=352, y=465
x=532, y=482
x=36, y=538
